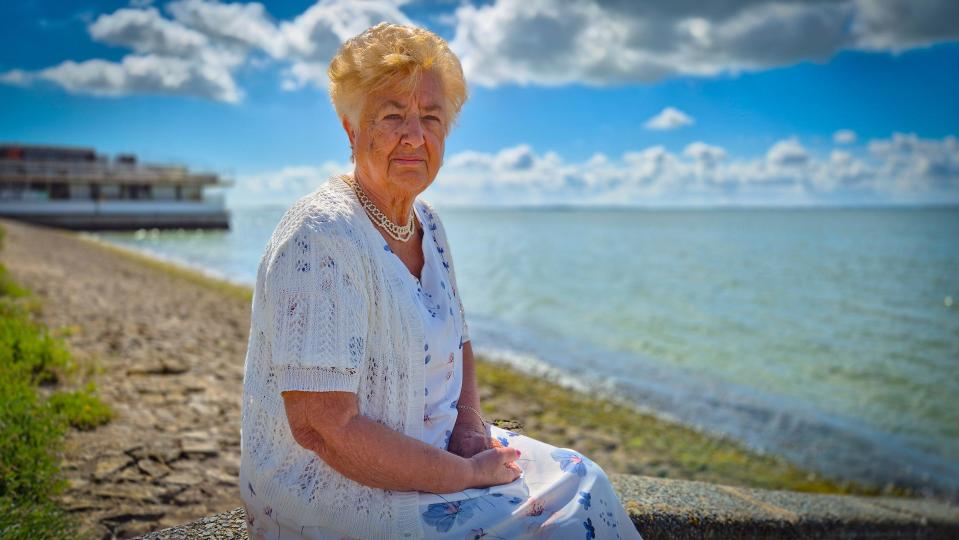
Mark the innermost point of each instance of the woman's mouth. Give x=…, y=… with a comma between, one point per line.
x=407, y=161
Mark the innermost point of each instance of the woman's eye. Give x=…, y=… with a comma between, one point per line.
x=432, y=118
x=393, y=116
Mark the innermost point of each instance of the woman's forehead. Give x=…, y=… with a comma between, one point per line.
x=427, y=93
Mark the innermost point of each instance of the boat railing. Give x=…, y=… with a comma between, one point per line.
x=15, y=170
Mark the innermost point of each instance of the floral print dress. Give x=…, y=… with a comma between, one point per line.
x=561, y=493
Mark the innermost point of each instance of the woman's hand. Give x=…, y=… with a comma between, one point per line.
x=468, y=441
x=495, y=466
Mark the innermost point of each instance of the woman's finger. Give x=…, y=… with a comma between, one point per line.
x=509, y=455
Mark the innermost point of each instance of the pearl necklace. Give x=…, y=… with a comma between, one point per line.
x=403, y=234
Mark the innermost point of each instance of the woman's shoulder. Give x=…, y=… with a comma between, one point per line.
x=426, y=205
x=324, y=214
x=433, y=221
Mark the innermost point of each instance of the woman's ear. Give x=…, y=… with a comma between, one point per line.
x=351, y=134
x=349, y=129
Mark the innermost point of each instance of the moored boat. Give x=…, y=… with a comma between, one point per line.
x=79, y=188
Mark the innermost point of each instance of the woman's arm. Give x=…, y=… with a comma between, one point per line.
x=469, y=395
x=329, y=423
x=470, y=435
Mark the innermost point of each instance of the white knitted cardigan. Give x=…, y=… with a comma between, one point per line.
x=329, y=314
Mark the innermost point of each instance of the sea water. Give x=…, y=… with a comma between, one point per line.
x=829, y=336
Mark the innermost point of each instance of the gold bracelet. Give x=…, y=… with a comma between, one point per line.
x=483, y=420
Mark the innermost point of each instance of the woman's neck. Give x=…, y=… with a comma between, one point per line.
x=395, y=203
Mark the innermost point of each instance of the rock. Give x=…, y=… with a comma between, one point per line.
x=182, y=479
x=204, y=409
x=194, y=446
x=190, y=496
x=77, y=483
x=222, y=477
x=77, y=503
x=129, y=474
x=109, y=465
x=231, y=463
x=131, y=448
x=132, y=491
x=509, y=425
x=161, y=449
x=140, y=526
x=153, y=468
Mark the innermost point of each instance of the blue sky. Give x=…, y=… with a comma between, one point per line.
x=645, y=103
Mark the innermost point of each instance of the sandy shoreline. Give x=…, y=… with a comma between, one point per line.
x=168, y=356
x=168, y=346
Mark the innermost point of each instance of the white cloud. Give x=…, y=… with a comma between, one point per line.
x=788, y=152
x=902, y=168
x=911, y=164
x=311, y=39
x=613, y=42
x=146, y=31
x=844, y=136
x=16, y=77
x=595, y=42
x=245, y=24
x=197, y=52
x=668, y=118
x=146, y=74
x=705, y=153
x=283, y=186
x=901, y=24
x=302, y=73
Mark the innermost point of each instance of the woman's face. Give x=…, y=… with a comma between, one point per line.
x=400, y=140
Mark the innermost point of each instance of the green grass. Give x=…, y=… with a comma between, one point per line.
x=31, y=431
x=27, y=351
x=31, y=427
x=8, y=288
x=81, y=409
x=190, y=275
x=622, y=439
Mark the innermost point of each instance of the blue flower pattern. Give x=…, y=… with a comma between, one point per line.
x=570, y=461
x=584, y=499
x=590, y=530
x=444, y=515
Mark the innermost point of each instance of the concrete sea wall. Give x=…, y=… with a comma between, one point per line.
x=681, y=510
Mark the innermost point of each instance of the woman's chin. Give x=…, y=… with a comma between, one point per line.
x=414, y=179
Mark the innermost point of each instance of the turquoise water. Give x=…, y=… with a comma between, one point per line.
x=830, y=336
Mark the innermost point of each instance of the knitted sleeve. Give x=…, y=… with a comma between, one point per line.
x=317, y=300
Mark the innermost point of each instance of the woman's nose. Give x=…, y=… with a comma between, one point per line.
x=413, y=131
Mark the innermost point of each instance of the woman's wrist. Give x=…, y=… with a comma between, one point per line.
x=471, y=419
x=468, y=473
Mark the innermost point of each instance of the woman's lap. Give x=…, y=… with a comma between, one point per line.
x=561, y=494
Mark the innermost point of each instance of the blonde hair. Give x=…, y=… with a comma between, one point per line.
x=390, y=55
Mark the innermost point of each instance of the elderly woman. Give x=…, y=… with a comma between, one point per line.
x=361, y=417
